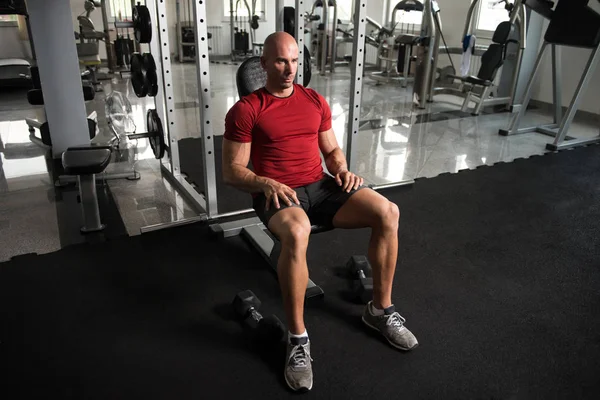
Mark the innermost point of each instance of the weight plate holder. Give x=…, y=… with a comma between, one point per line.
x=155, y=134
x=142, y=24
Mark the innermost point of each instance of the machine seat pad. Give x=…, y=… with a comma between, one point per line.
x=477, y=81
x=86, y=160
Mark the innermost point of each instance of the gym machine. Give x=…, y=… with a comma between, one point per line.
x=572, y=24
x=243, y=42
x=395, y=52
x=481, y=88
x=89, y=41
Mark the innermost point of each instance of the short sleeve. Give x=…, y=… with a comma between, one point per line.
x=325, y=115
x=239, y=122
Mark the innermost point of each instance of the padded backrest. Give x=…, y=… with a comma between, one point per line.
x=251, y=76
x=491, y=61
x=503, y=32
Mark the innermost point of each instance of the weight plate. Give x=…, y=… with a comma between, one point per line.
x=152, y=82
x=138, y=76
x=155, y=134
x=148, y=62
x=142, y=24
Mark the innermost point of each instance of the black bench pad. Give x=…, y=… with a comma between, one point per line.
x=85, y=160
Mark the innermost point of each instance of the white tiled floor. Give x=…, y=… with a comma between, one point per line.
x=400, y=147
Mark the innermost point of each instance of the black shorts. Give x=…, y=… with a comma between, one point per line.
x=320, y=200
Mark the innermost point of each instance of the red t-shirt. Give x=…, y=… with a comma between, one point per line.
x=284, y=133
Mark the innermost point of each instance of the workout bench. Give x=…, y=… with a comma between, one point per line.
x=250, y=77
x=85, y=163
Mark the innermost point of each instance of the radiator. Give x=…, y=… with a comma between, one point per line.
x=216, y=42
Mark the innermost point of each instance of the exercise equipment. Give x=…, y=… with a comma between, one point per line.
x=143, y=75
x=118, y=114
x=483, y=88
x=245, y=305
x=85, y=163
x=361, y=275
x=396, y=47
x=142, y=24
x=572, y=24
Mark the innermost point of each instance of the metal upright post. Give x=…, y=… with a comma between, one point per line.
x=557, y=83
x=109, y=55
x=333, y=37
x=231, y=30
x=279, y=4
x=179, y=33
x=159, y=48
x=202, y=69
x=324, y=40
x=358, y=46
x=514, y=124
x=565, y=124
x=300, y=39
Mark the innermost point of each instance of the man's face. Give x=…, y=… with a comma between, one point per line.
x=281, y=64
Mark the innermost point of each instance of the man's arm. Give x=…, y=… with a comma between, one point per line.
x=236, y=173
x=335, y=160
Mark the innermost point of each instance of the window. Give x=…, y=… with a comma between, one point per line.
x=242, y=11
x=8, y=20
x=491, y=13
x=120, y=9
x=344, y=9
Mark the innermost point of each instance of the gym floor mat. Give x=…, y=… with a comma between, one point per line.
x=498, y=278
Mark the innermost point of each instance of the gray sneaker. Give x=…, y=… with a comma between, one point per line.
x=391, y=326
x=298, y=368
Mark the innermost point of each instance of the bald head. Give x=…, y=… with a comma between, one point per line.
x=279, y=42
x=279, y=60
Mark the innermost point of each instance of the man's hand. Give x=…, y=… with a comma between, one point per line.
x=348, y=181
x=274, y=191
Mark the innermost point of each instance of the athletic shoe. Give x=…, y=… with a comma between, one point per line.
x=391, y=326
x=298, y=368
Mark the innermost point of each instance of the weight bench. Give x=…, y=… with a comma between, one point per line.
x=85, y=163
x=250, y=77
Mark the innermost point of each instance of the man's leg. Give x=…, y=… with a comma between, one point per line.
x=292, y=227
x=367, y=208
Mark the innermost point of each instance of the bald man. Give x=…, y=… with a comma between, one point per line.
x=283, y=128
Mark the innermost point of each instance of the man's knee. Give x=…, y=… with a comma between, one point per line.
x=295, y=233
x=388, y=215
x=291, y=226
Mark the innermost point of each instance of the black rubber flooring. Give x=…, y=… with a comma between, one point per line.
x=498, y=277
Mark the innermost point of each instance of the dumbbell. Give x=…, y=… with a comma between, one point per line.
x=246, y=305
x=360, y=271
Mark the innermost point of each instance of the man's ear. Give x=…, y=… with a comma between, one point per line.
x=263, y=62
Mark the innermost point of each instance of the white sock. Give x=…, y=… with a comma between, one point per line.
x=291, y=335
x=374, y=310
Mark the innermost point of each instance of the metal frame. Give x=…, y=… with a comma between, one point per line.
x=160, y=47
x=299, y=38
x=356, y=67
x=562, y=123
x=481, y=97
